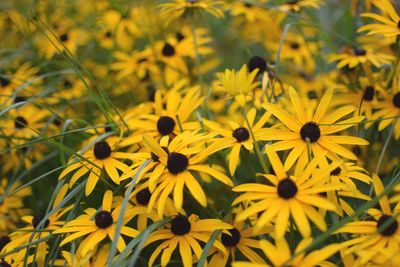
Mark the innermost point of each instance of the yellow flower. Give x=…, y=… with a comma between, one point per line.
x=389, y=110
x=178, y=162
x=103, y=225
x=389, y=26
x=102, y=156
x=297, y=5
x=377, y=238
x=356, y=56
x=238, y=136
x=181, y=8
x=185, y=232
x=296, y=196
x=313, y=129
x=280, y=254
x=238, y=84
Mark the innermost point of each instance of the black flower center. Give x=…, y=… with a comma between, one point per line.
x=241, y=134
x=4, y=81
x=19, y=99
x=310, y=131
x=389, y=229
x=312, y=94
x=336, y=171
x=359, y=52
x=103, y=219
x=295, y=45
x=168, y=50
x=108, y=34
x=398, y=24
x=20, y=122
x=287, y=188
x=64, y=37
x=179, y=36
x=177, y=163
x=396, y=100
x=102, y=150
x=180, y=225
x=248, y=5
x=4, y=264
x=231, y=240
x=369, y=93
x=4, y=240
x=67, y=84
x=37, y=219
x=165, y=125
x=143, y=197
x=292, y=2
x=257, y=62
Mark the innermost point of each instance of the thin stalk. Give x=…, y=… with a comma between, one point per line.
x=256, y=147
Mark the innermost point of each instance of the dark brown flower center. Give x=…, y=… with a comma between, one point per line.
x=391, y=227
x=4, y=81
x=19, y=99
x=310, y=131
x=67, y=84
x=312, y=94
x=295, y=45
x=4, y=240
x=165, y=125
x=180, y=225
x=143, y=197
x=179, y=36
x=396, y=100
x=336, y=171
x=231, y=240
x=287, y=188
x=4, y=264
x=398, y=24
x=37, y=219
x=103, y=219
x=369, y=93
x=20, y=122
x=177, y=163
x=359, y=52
x=241, y=134
x=168, y=50
x=64, y=37
x=257, y=62
x=102, y=150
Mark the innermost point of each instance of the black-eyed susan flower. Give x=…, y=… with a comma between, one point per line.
x=180, y=162
x=12, y=205
x=295, y=196
x=98, y=225
x=171, y=115
x=313, y=130
x=377, y=236
x=178, y=8
x=241, y=239
x=97, y=257
x=298, y=5
x=184, y=233
x=36, y=228
x=388, y=108
x=352, y=57
x=24, y=123
x=103, y=156
x=389, y=23
x=238, y=136
x=280, y=254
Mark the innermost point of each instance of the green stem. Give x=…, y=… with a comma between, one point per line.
x=264, y=164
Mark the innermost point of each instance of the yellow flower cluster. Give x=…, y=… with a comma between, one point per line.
x=217, y=133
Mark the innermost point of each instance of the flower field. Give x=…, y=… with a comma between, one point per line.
x=244, y=133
